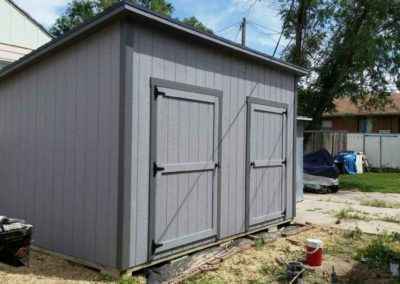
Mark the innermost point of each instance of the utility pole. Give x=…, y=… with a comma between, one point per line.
x=243, y=27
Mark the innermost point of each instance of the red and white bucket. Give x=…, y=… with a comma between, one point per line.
x=314, y=252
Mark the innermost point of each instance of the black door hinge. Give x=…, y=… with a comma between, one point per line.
x=157, y=169
x=157, y=93
x=155, y=246
x=284, y=162
x=217, y=165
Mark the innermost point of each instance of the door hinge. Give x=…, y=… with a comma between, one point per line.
x=157, y=93
x=155, y=246
x=284, y=162
x=157, y=169
x=252, y=164
x=217, y=165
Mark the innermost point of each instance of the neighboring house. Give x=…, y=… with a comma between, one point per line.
x=353, y=118
x=19, y=33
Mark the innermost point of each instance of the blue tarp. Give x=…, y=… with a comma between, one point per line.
x=320, y=163
x=348, y=160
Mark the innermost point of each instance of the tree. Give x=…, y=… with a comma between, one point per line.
x=351, y=47
x=160, y=6
x=80, y=11
x=194, y=22
x=77, y=12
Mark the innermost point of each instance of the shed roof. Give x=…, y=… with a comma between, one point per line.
x=123, y=9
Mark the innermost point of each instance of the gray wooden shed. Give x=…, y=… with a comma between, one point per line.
x=135, y=138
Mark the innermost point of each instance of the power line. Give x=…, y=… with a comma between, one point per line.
x=228, y=28
x=264, y=27
x=249, y=10
x=238, y=33
x=262, y=30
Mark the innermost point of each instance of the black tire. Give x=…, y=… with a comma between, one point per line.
x=334, y=189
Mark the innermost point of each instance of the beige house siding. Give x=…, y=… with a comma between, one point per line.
x=9, y=53
x=19, y=34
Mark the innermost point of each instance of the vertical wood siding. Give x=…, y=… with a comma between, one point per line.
x=59, y=148
x=166, y=56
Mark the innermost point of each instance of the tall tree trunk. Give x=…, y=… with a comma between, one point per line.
x=301, y=18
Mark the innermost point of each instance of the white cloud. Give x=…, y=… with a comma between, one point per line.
x=43, y=11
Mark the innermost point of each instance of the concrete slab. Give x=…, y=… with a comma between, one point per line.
x=322, y=209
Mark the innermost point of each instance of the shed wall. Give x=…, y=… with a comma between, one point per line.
x=59, y=129
x=160, y=54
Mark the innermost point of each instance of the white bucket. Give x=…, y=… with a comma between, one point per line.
x=314, y=243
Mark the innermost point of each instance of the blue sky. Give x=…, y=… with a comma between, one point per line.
x=263, y=29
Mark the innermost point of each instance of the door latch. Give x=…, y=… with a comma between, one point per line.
x=252, y=164
x=157, y=169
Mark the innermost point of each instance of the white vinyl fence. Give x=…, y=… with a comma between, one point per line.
x=382, y=150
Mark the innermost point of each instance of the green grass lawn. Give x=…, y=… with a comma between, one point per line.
x=372, y=182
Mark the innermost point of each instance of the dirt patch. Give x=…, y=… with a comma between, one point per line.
x=267, y=264
x=256, y=263
x=49, y=269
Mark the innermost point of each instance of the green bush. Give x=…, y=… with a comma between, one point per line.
x=380, y=251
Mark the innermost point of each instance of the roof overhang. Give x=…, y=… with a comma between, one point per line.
x=124, y=9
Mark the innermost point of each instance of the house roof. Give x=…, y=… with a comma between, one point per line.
x=28, y=16
x=123, y=9
x=345, y=107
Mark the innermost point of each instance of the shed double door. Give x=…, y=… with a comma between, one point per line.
x=185, y=131
x=266, y=161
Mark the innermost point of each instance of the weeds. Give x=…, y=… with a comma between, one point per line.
x=379, y=251
x=314, y=209
x=349, y=213
x=259, y=243
x=354, y=234
x=278, y=272
x=391, y=219
x=204, y=281
x=128, y=280
x=379, y=203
